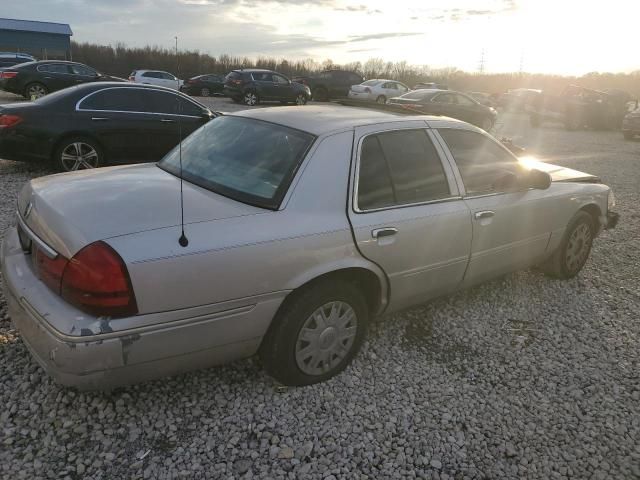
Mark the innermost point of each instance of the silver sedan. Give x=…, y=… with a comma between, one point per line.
x=377, y=90
x=299, y=227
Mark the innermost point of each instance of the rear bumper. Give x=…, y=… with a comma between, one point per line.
x=104, y=359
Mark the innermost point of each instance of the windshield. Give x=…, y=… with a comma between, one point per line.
x=245, y=159
x=371, y=83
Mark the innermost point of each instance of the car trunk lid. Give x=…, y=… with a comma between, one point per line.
x=69, y=211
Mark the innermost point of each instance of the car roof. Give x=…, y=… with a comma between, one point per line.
x=249, y=70
x=323, y=119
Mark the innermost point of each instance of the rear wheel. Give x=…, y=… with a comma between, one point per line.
x=321, y=94
x=573, y=251
x=251, y=98
x=316, y=334
x=381, y=100
x=35, y=90
x=205, y=92
x=77, y=153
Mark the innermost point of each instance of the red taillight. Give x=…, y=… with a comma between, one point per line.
x=7, y=75
x=7, y=121
x=49, y=270
x=96, y=280
x=367, y=90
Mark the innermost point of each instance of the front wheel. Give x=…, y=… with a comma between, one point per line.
x=77, y=153
x=251, y=99
x=486, y=124
x=316, y=334
x=573, y=251
x=35, y=90
x=381, y=100
x=301, y=99
x=205, y=92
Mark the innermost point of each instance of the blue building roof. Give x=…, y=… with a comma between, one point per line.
x=34, y=26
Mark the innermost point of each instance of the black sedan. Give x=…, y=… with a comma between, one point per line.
x=36, y=79
x=449, y=103
x=96, y=124
x=204, y=85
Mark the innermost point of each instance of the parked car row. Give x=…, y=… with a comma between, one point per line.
x=105, y=290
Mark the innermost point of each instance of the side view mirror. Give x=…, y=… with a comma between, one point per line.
x=538, y=179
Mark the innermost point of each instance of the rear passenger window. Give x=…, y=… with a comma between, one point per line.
x=170, y=103
x=374, y=184
x=412, y=172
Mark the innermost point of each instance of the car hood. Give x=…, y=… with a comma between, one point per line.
x=71, y=210
x=560, y=174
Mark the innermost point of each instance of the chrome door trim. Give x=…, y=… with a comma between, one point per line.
x=161, y=89
x=46, y=249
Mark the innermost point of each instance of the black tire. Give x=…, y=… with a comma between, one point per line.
x=251, y=98
x=205, y=92
x=301, y=99
x=321, y=94
x=559, y=264
x=278, y=349
x=486, y=124
x=381, y=100
x=36, y=89
x=86, y=144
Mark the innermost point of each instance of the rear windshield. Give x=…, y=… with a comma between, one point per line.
x=245, y=159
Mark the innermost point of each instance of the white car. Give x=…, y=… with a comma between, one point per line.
x=156, y=77
x=377, y=90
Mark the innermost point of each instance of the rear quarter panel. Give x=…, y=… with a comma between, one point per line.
x=243, y=257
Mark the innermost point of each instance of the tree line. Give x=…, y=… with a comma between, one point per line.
x=121, y=60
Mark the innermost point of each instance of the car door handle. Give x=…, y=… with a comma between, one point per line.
x=383, y=232
x=484, y=214
x=167, y=120
x=97, y=119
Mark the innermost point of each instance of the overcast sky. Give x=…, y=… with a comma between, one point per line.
x=553, y=36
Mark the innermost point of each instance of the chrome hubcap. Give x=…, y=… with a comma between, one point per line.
x=79, y=156
x=578, y=247
x=36, y=91
x=381, y=100
x=326, y=338
x=204, y=92
x=300, y=100
x=250, y=99
x=486, y=125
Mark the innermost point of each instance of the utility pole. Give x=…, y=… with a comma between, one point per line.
x=481, y=65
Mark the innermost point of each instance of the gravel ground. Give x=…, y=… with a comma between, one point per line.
x=523, y=377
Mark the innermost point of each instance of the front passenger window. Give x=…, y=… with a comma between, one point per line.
x=486, y=167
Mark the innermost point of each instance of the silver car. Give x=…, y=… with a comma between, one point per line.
x=299, y=227
x=377, y=90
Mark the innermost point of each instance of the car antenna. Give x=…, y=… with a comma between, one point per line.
x=183, y=240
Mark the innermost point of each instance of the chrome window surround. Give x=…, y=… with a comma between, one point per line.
x=78, y=109
x=46, y=249
x=445, y=167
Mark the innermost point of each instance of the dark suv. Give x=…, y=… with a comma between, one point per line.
x=330, y=84
x=35, y=79
x=252, y=86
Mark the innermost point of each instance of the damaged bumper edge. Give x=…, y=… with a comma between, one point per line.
x=612, y=220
